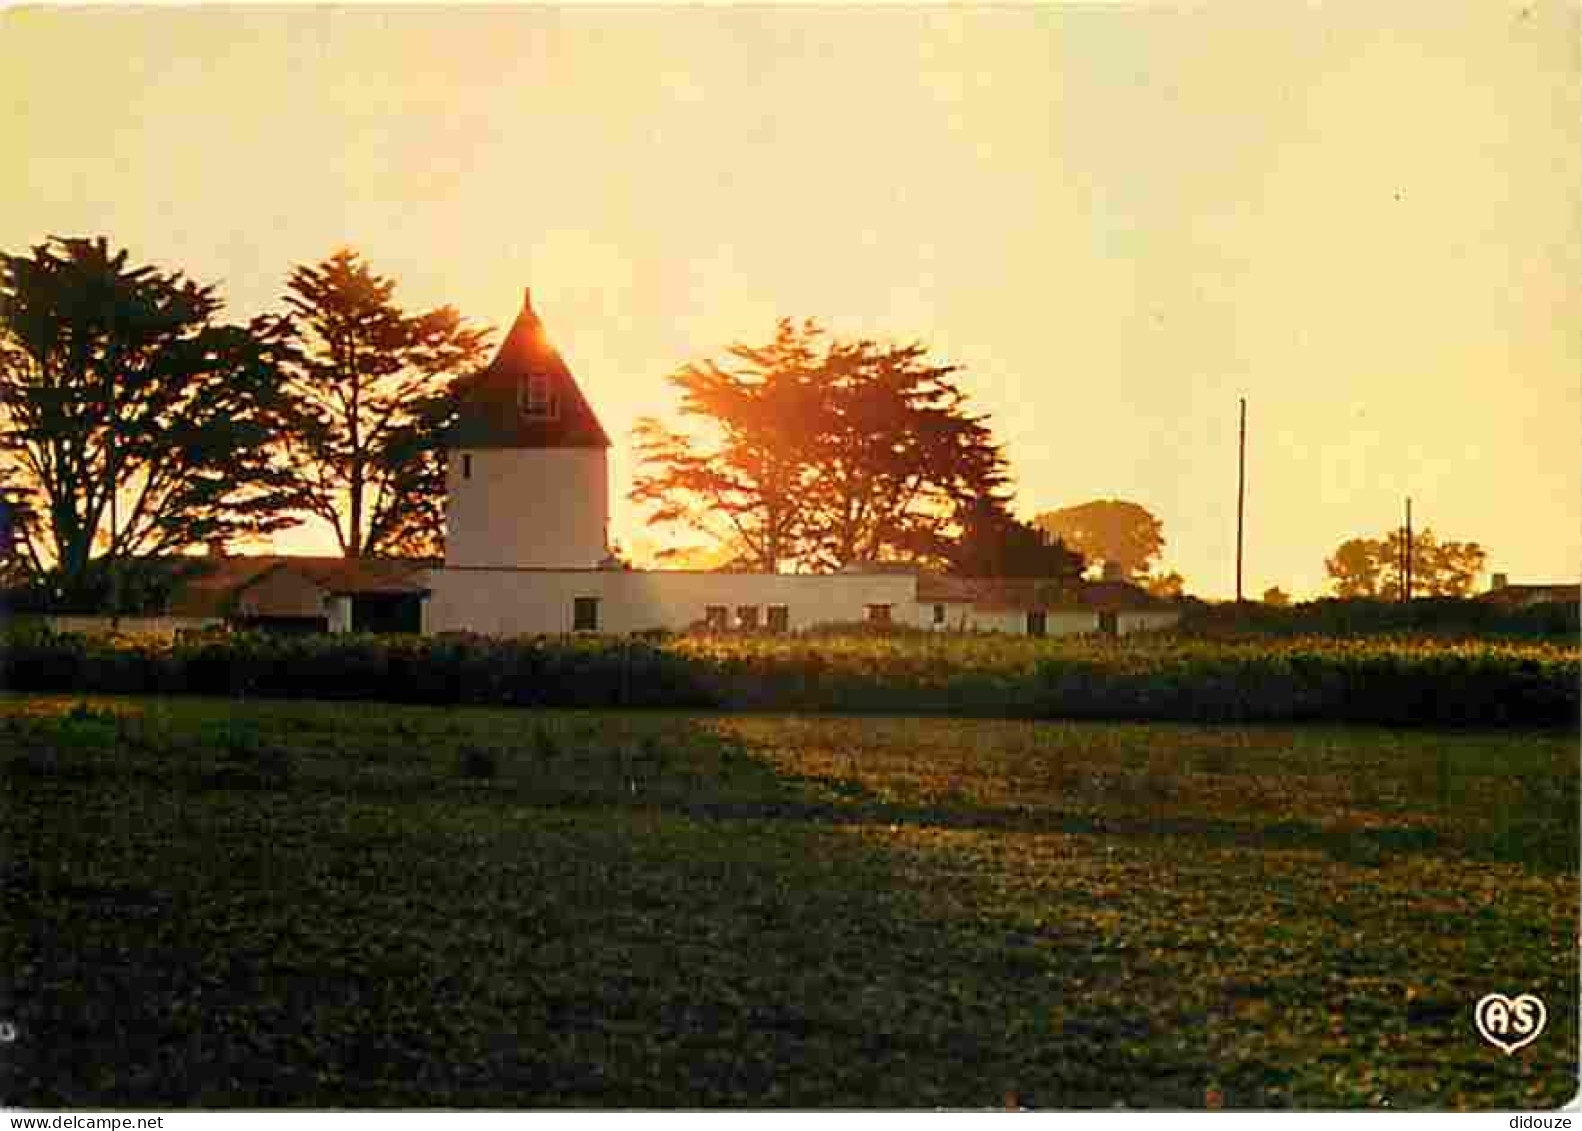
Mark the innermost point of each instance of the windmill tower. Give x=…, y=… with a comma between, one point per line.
x=526, y=477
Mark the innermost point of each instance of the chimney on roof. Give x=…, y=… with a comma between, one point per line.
x=1498, y=581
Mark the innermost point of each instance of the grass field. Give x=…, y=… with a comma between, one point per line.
x=239, y=904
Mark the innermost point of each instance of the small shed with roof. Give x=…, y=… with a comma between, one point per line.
x=308, y=594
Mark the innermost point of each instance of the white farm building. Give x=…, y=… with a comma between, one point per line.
x=527, y=548
x=527, y=552
x=527, y=521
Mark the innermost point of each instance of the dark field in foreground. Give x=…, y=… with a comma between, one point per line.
x=226, y=904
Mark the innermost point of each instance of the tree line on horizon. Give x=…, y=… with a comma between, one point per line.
x=137, y=424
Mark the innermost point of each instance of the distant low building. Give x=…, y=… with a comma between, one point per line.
x=308, y=594
x=276, y=593
x=1502, y=592
x=1034, y=607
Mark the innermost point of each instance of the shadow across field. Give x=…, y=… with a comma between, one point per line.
x=308, y=905
x=744, y=783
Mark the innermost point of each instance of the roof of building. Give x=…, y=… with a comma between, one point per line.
x=1015, y=594
x=1117, y=595
x=938, y=589
x=870, y=566
x=216, y=583
x=492, y=412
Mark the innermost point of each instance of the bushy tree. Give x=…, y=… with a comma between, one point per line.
x=1108, y=532
x=1167, y=585
x=1375, y=567
x=1277, y=598
x=1439, y=569
x=993, y=543
x=369, y=406
x=818, y=453
x=1354, y=568
x=744, y=475
x=896, y=458
x=137, y=422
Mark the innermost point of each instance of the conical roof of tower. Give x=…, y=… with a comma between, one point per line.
x=492, y=413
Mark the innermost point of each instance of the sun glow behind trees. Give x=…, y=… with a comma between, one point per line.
x=819, y=453
x=1404, y=316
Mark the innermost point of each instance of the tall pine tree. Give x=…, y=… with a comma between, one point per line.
x=135, y=422
x=369, y=405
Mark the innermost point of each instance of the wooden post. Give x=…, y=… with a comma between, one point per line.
x=1406, y=573
x=1241, y=493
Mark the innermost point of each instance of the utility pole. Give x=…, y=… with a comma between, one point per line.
x=1241, y=493
x=111, y=436
x=1406, y=570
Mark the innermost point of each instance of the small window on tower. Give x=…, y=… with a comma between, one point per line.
x=466, y=465
x=535, y=398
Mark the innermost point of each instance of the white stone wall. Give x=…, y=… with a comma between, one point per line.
x=1069, y=623
x=997, y=620
x=1151, y=620
x=504, y=602
x=531, y=508
x=958, y=616
x=514, y=602
x=966, y=618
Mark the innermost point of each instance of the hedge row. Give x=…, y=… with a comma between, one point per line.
x=1452, y=617
x=1165, y=678
x=399, y=669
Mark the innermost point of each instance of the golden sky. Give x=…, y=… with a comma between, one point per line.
x=1364, y=218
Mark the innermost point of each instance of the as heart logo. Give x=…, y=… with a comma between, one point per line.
x=1508, y=1023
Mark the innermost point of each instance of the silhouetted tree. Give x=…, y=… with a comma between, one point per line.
x=1354, y=568
x=369, y=405
x=896, y=457
x=1276, y=597
x=1108, y=532
x=139, y=423
x=1166, y=585
x=18, y=533
x=747, y=479
x=1439, y=569
x=1373, y=567
x=818, y=452
x=993, y=543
